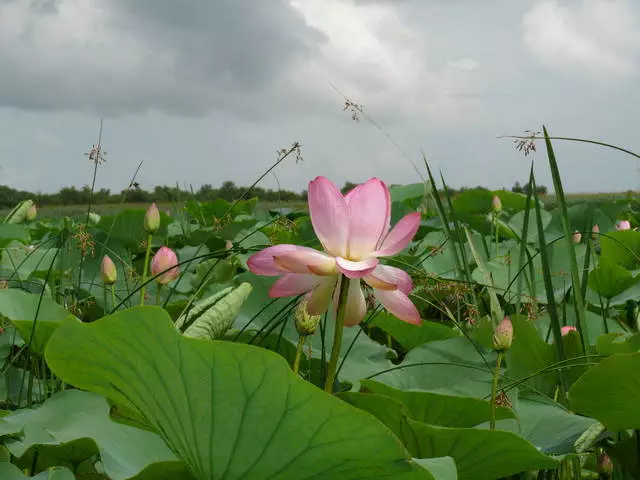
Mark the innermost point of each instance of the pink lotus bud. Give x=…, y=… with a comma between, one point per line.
x=577, y=236
x=165, y=259
x=568, y=328
x=595, y=231
x=228, y=245
x=623, y=225
x=108, y=271
x=496, y=204
x=31, y=213
x=152, y=219
x=503, y=335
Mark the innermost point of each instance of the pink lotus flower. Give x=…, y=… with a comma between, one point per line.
x=566, y=329
x=354, y=230
x=623, y=225
x=164, y=259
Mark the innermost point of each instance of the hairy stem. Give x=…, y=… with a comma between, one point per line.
x=494, y=390
x=296, y=362
x=145, y=269
x=337, y=336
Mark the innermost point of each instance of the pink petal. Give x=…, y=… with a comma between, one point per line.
x=369, y=207
x=318, y=301
x=294, y=284
x=261, y=263
x=356, y=269
x=356, y=304
x=305, y=260
x=329, y=217
x=399, y=305
x=400, y=236
x=385, y=277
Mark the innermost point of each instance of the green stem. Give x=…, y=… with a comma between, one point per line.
x=337, y=335
x=495, y=227
x=494, y=390
x=145, y=269
x=296, y=362
x=113, y=296
x=158, y=291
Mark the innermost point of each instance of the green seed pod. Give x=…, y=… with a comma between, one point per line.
x=305, y=324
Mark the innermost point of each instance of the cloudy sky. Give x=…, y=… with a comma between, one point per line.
x=207, y=91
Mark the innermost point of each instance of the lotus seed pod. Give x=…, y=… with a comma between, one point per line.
x=503, y=335
x=577, y=236
x=496, y=204
x=152, y=219
x=305, y=324
x=165, y=259
x=108, y=271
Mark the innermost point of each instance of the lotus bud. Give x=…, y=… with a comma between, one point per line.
x=496, y=204
x=503, y=335
x=4, y=284
x=595, y=231
x=152, y=219
x=604, y=465
x=94, y=218
x=228, y=245
x=108, y=271
x=306, y=324
x=566, y=329
x=31, y=213
x=577, y=236
x=623, y=225
x=165, y=259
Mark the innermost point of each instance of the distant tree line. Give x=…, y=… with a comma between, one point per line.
x=136, y=194
x=162, y=193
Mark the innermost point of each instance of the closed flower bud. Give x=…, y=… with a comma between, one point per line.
x=595, y=231
x=577, y=236
x=31, y=213
x=165, y=259
x=305, y=324
x=623, y=225
x=108, y=271
x=152, y=219
x=503, y=335
x=496, y=204
x=568, y=328
x=94, y=218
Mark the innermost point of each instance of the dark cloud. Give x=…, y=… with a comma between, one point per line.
x=186, y=57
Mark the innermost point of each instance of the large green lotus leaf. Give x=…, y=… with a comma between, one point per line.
x=11, y=472
x=517, y=223
x=10, y=232
x=609, y=392
x=438, y=409
x=622, y=247
x=22, y=263
x=443, y=468
x=451, y=367
x=618, y=342
x=410, y=336
x=549, y=426
x=360, y=355
x=22, y=308
x=479, y=454
x=73, y=426
x=529, y=354
x=227, y=410
x=128, y=227
x=610, y=279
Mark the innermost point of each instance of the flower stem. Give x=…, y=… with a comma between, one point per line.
x=145, y=269
x=337, y=334
x=494, y=390
x=113, y=297
x=296, y=362
x=158, y=292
